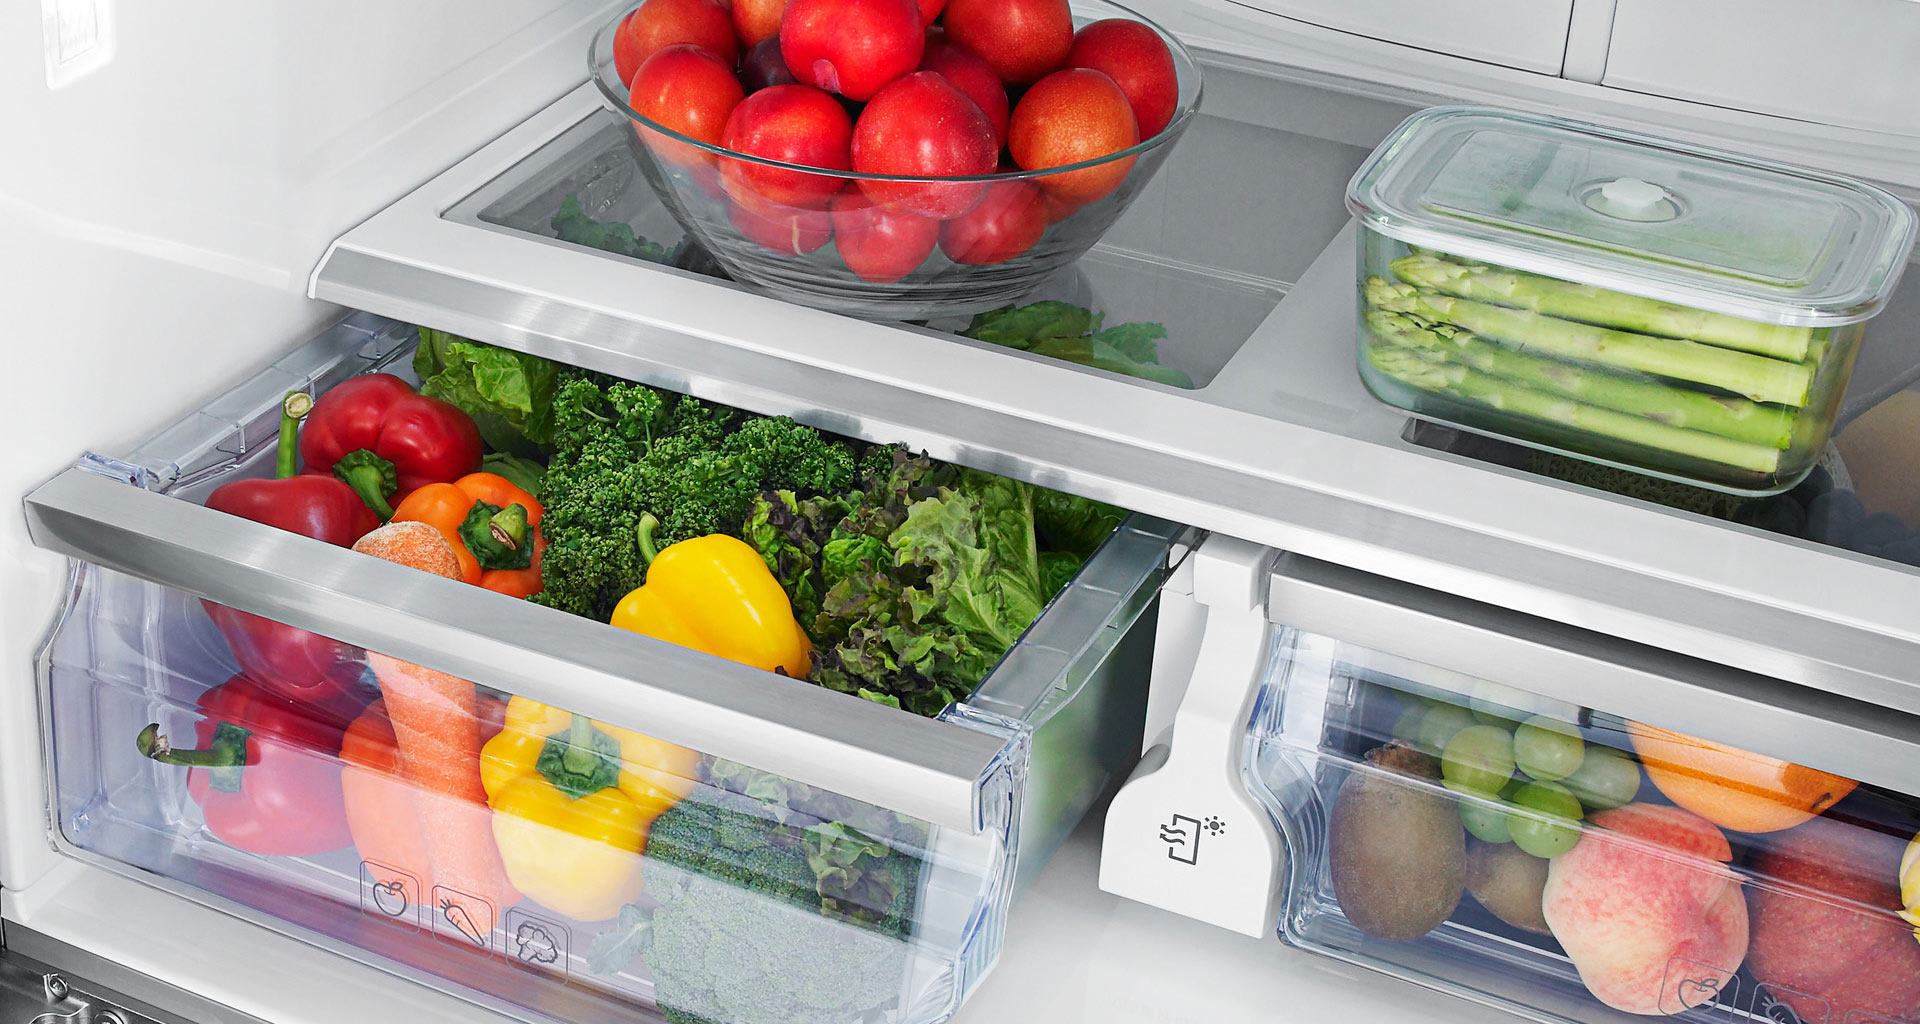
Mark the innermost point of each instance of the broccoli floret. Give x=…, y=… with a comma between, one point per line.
x=741, y=933
x=623, y=451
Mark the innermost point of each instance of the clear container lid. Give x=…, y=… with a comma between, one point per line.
x=1638, y=214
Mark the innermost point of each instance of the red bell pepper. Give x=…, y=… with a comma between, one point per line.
x=267, y=774
x=285, y=659
x=385, y=440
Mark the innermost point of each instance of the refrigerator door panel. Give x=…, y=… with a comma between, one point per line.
x=1282, y=445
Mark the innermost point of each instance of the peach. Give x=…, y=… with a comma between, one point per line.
x=1648, y=910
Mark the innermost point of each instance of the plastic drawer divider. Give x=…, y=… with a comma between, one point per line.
x=928, y=769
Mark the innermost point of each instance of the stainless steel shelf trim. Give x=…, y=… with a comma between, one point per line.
x=916, y=766
x=1593, y=670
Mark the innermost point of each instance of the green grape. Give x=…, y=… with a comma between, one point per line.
x=1488, y=710
x=1479, y=759
x=1440, y=725
x=1486, y=819
x=1605, y=779
x=1406, y=728
x=1547, y=748
x=1545, y=820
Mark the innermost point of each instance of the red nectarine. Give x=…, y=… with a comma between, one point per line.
x=880, y=245
x=1138, y=61
x=794, y=124
x=688, y=89
x=968, y=72
x=662, y=23
x=1008, y=221
x=1068, y=117
x=922, y=126
x=1023, y=40
x=851, y=47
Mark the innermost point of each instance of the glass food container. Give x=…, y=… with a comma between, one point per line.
x=1630, y=300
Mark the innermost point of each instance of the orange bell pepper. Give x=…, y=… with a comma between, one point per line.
x=492, y=525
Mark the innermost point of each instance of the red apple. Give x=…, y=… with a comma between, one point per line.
x=1023, y=40
x=1068, y=117
x=780, y=229
x=852, y=47
x=922, y=126
x=968, y=72
x=661, y=23
x=1008, y=221
x=688, y=89
x=878, y=244
x=1138, y=61
x=763, y=66
x=930, y=9
x=1826, y=938
x=757, y=20
x=795, y=124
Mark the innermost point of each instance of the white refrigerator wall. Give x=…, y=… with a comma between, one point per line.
x=160, y=214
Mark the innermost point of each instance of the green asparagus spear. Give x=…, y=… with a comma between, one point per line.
x=1727, y=416
x=1757, y=377
x=1601, y=306
x=1427, y=372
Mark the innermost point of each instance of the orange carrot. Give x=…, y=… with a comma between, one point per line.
x=436, y=724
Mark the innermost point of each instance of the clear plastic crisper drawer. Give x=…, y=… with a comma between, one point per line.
x=577, y=867
x=1566, y=864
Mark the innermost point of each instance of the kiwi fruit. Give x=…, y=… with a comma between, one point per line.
x=1396, y=849
x=1508, y=882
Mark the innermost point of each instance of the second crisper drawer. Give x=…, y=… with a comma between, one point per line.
x=543, y=813
x=1533, y=817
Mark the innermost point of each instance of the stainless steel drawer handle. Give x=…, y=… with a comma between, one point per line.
x=928, y=769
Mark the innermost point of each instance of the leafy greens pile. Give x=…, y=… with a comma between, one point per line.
x=1062, y=330
x=915, y=584
x=912, y=577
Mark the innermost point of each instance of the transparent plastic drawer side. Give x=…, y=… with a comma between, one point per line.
x=1570, y=865
x=572, y=867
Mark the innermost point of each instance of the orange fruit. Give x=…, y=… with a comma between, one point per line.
x=1734, y=788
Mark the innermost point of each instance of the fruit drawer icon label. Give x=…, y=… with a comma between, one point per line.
x=388, y=892
x=1708, y=991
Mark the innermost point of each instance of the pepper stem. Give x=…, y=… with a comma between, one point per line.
x=225, y=756
x=644, y=532
x=287, y=454
x=579, y=757
x=580, y=761
x=509, y=526
x=371, y=477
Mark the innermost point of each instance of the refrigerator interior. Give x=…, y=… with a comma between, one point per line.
x=1254, y=296
x=1782, y=903
x=911, y=911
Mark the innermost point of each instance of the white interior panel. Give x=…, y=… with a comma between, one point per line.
x=1526, y=34
x=1854, y=63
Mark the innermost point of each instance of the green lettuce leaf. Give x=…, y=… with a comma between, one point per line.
x=509, y=394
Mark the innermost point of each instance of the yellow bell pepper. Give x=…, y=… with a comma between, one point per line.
x=715, y=594
x=572, y=801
